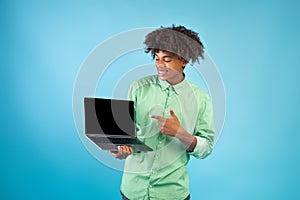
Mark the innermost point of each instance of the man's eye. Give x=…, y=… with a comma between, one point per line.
x=167, y=60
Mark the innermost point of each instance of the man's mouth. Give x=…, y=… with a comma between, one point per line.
x=162, y=72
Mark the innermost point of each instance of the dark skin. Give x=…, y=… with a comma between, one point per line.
x=169, y=68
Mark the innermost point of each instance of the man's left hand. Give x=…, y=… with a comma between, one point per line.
x=168, y=126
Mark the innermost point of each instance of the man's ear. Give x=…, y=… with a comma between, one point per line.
x=184, y=63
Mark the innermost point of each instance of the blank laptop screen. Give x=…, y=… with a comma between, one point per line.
x=109, y=116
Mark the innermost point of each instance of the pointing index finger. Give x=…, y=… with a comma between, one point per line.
x=156, y=117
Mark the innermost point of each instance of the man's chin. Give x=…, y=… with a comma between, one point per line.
x=163, y=78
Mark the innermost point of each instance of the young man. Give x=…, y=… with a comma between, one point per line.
x=173, y=116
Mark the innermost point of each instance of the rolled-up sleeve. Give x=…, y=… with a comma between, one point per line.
x=204, y=130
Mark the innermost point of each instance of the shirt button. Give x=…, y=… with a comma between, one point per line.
x=160, y=142
x=150, y=186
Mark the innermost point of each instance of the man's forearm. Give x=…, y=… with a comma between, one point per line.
x=187, y=139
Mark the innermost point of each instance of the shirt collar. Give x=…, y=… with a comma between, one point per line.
x=176, y=88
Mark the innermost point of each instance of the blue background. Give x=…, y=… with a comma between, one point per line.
x=255, y=45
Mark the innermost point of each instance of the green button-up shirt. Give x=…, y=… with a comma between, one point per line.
x=162, y=173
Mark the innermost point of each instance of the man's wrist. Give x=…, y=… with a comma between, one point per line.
x=193, y=145
x=187, y=139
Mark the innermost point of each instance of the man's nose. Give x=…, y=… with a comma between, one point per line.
x=159, y=64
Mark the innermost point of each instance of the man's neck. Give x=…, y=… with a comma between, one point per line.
x=178, y=79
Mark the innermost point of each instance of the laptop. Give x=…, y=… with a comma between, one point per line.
x=110, y=123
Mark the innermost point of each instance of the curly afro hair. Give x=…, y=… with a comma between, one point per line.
x=178, y=40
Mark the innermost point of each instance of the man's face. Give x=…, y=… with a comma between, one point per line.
x=169, y=67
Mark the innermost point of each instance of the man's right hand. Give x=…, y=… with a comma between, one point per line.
x=123, y=152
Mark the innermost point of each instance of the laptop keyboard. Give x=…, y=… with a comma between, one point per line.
x=117, y=141
x=125, y=141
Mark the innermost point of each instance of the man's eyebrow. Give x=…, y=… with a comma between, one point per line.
x=164, y=56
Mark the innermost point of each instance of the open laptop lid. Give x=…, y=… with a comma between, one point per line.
x=109, y=117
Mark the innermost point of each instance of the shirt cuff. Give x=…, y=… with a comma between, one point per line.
x=201, y=149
